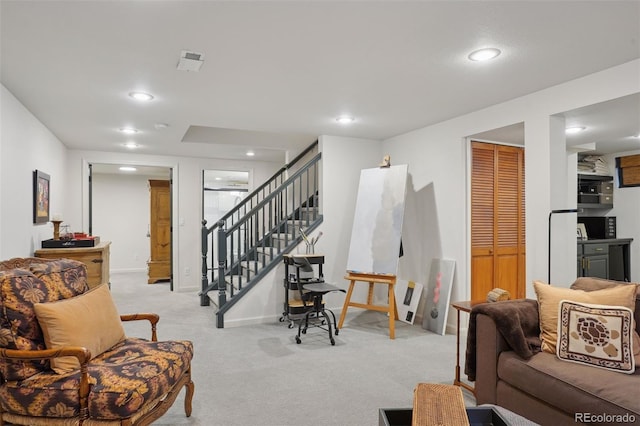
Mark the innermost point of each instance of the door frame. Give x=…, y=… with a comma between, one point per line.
x=467, y=143
x=87, y=199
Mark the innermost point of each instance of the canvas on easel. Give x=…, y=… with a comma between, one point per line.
x=377, y=222
x=375, y=237
x=434, y=317
x=407, y=298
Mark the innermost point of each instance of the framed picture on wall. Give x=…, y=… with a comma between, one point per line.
x=41, y=191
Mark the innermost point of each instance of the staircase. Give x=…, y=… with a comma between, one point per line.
x=250, y=240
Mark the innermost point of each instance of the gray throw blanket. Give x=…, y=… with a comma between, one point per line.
x=516, y=320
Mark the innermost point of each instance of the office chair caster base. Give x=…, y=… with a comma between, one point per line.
x=333, y=342
x=298, y=341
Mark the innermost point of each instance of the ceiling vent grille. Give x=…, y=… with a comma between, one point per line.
x=190, y=61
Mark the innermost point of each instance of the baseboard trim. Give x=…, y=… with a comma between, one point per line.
x=127, y=270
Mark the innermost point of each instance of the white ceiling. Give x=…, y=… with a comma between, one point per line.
x=609, y=127
x=285, y=68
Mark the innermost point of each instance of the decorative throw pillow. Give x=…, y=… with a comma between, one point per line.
x=90, y=320
x=549, y=298
x=597, y=335
x=591, y=284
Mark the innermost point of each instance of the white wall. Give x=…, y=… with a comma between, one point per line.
x=437, y=157
x=342, y=160
x=26, y=145
x=121, y=215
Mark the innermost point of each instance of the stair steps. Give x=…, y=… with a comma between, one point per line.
x=310, y=213
x=252, y=265
x=281, y=240
x=266, y=254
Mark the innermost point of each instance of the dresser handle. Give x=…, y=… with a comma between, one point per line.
x=97, y=260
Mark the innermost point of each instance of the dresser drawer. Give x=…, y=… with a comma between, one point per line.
x=596, y=249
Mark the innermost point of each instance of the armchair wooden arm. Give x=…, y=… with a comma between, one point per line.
x=81, y=353
x=152, y=318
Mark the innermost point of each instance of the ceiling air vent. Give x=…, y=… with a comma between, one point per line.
x=190, y=61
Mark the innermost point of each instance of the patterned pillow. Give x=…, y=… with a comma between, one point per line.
x=596, y=335
x=549, y=298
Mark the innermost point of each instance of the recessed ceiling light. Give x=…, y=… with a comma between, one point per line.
x=345, y=119
x=574, y=129
x=141, y=96
x=484, y=54
x=250, y=153
x=127, y=169
x=131, y=145
x=129, y=130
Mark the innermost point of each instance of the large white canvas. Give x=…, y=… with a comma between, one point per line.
x=377, y=222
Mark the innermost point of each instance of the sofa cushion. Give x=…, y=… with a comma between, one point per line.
x=122, y=380
x=596, y=335
x=90, y=320
x=573, y=388
x=549, y=298
x=591, y=284
x=19, y=290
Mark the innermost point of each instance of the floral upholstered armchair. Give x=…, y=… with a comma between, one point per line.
x=64, y=356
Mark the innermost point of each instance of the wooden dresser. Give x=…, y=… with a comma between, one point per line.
x=96, y=258
x=159, y=264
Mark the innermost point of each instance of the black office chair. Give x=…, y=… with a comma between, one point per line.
x=311, y=294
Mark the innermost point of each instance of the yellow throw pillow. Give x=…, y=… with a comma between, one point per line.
x=90, y=320
x=549, y=298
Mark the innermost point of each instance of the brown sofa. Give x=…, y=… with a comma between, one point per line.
x=504, y=358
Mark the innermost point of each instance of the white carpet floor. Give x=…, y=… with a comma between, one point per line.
x=258, y=375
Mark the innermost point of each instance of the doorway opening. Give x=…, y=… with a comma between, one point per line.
x=120, y=211
x=222, y=190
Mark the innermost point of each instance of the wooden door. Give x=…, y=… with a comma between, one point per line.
x=497, y=220
x=160, y=231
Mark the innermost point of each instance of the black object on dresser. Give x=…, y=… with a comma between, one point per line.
x=599, y=227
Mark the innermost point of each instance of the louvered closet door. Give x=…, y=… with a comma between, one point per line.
x=497, y=220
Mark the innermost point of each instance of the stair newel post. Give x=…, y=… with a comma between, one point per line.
x=222, y=260
x=204, y=297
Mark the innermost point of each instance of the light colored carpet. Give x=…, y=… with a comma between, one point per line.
x=258, y=375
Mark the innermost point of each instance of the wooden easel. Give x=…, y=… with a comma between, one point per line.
x=372, y=279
